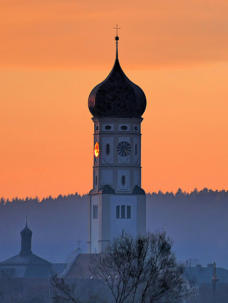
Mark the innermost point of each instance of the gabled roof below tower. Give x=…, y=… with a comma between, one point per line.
x=81, y=267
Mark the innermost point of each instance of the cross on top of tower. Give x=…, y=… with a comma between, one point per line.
x=117, y=30
x=116, y=38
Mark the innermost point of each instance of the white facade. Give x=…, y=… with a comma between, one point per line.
x=117, y=202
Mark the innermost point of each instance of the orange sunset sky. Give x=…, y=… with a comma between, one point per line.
x=53, y=52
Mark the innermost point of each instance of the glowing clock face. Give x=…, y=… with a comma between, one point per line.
x=96, y=150
x=124, y=148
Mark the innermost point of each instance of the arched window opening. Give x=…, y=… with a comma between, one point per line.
x=95, y=211
x=107, y=149
x=117, y=211
x=95, y=180
x=108, y=127
x=128, y=212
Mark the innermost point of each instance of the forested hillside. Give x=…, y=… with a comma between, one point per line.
x=197, y=223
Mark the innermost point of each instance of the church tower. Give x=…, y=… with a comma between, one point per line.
x=117, y=201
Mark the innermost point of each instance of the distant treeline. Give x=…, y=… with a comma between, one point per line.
x=196, y=222
x=204, y=194
x=37, y=200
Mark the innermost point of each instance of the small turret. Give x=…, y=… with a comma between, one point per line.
x=26, y=241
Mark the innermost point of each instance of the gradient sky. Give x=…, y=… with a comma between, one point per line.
x=53, y=52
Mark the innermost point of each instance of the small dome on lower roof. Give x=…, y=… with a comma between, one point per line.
x=26, y=264
x=117, y=96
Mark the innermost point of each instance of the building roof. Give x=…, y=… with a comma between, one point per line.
x=204, y=275
x=26, y=264
x=25, y=260
x=80, y=268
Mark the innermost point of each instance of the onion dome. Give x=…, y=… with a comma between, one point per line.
x=117, y=96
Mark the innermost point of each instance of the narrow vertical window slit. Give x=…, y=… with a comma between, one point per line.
x=136, y=149
x=122, y=211
x=107, y=149
x=117, y=211
x=128, y=212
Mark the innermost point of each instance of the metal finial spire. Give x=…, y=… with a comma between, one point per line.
x=117, y=39
x=116, y=28
x=214, y=281
x=26, y=221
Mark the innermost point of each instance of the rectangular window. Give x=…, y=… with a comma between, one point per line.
x=136, y=149
x=128, y=212
x=95, y=211
x=122, y=211
x=123, y=180
x=107, y=149
x=117, y=211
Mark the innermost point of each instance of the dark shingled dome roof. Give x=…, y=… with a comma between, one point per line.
x=117, y=96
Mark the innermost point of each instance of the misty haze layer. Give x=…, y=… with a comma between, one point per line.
x=196, y=222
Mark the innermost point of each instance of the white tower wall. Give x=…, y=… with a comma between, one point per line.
x=117, y=202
